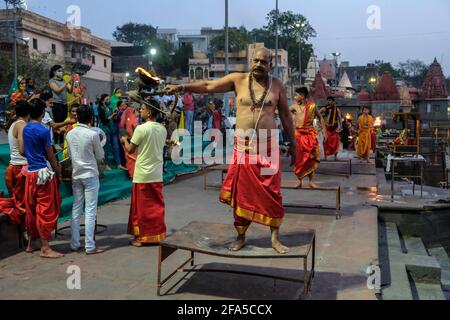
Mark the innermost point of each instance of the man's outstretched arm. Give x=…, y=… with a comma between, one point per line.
x=223, y=85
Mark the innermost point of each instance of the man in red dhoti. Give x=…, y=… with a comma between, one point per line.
x=14, y=206
x=308, y=148
x=147, y=212
x=42, y=198
x=333, y=119
x=253, y=192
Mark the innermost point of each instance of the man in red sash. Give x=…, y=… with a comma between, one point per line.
x=253, y=183
x=308, y=148
x=333, y=118
x=14, y=206
x=42, y=198
x=147, y=212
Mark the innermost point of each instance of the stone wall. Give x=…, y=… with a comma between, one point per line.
x=95, y=88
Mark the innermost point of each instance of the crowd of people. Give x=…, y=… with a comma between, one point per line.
x=50, y=126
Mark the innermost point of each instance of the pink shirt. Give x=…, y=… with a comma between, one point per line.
x=188, y=101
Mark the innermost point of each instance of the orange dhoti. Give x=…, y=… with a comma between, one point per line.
x=332, y=144
x=14, y=206
x=308, y=152
x=253, y=192
x=43, y=205
x=147, y=212
x=364, y=143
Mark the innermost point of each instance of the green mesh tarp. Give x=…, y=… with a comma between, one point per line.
x=115, y=184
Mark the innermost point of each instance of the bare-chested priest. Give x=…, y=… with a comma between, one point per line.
x=254, y=194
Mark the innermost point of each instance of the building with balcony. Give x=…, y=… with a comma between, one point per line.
x=87, y=54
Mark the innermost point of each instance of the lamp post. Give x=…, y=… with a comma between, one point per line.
x=153, y=52
x=299, y=26
x=276, y=39
x=336, y=55
x=127, y=75
x=227, y=59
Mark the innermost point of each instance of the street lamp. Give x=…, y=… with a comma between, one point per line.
x=276, y=38
x=152, y=54
x=127, y=75
x=336, y=55
x=300, y=25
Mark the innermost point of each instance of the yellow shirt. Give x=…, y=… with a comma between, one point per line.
x=150, y=138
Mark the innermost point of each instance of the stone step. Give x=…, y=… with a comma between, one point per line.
x=393, y=238
x=415, y=246
x=423, y=269
x=429, y=291
x=443, y=259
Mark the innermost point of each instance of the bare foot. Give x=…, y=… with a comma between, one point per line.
x=279, y=247
x=31, y=247
x=312, y=185
x=108, y=168
x=50, y=254
x=120, y=167
x=238, y=244
x=136, y=244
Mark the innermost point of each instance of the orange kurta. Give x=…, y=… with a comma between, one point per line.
x=254, y=194
x=146, y=222
x=364, y=136
x=43, y=205
x=308, y=148
x=14, y=207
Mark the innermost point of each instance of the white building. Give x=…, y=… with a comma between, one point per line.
x=87, y=54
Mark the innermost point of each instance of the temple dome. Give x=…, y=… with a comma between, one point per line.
x=386, y=89
x=435, y=86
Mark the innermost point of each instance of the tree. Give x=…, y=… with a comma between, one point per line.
x=387, y=66
x=35, y=66
x=239, y=38
x=294, y=31
x=414, y=71
x=135, y=33
x=181, y=60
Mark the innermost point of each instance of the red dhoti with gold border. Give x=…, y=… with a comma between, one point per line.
x=308, y=152
x=43, y=205
x=253, y=185
x=14, y=206
x=147, y=213
x=332, y=144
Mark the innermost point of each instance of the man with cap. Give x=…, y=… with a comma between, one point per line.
x=308, y=148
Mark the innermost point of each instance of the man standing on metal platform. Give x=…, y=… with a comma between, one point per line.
x=254, y=195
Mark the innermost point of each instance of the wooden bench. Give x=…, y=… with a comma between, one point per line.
x=334, y=187
x=213, y=239
x=223, y=168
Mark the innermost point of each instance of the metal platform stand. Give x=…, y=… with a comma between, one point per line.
x=213, y=239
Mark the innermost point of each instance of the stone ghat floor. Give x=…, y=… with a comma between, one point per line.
x=345, y=249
